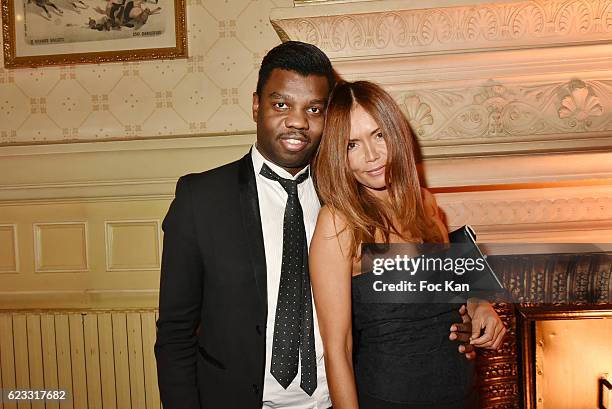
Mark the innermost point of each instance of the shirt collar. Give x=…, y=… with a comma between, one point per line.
x=259, y=160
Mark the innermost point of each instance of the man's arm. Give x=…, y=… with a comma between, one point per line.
x=461, y=333
x=485, y=320
x=179, y=305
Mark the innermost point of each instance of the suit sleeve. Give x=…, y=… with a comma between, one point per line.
x=180, y=298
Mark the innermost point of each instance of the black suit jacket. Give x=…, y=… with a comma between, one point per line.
x=211, y=330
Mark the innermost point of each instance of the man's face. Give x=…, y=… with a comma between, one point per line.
x=289, y=116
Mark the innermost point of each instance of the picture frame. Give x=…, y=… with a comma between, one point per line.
x=59, y=32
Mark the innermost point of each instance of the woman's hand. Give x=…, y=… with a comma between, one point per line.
x=485, y=318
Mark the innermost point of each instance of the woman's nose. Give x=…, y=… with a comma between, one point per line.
x=371, y=153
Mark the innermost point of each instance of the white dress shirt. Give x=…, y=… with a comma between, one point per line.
x=272, y=200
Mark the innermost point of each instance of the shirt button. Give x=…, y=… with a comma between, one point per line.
x=255, y=389
x=258, y=329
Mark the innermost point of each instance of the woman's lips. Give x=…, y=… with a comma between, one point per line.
x=376, y=171
x=293, y=145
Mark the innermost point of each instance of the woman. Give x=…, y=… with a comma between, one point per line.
x=381, y=355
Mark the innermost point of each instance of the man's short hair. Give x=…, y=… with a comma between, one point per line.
x=303, y=58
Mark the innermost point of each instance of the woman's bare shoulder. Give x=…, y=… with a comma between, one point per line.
x=331, y=220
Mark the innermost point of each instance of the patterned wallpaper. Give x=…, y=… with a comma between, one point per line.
x=209, y=93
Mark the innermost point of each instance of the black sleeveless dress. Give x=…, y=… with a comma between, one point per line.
x=403, y=358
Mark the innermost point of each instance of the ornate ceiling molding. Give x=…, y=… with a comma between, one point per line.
x=372, y=30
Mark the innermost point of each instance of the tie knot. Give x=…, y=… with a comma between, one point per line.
x=290, y=185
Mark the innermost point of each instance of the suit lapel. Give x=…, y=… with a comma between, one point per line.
x=249, y=205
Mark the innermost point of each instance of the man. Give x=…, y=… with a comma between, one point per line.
x=236, y=327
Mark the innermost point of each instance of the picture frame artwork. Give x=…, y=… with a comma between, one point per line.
x=57, y=32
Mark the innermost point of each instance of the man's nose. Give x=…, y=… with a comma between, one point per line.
x=296, y=119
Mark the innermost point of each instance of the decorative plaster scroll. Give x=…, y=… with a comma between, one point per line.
x=511, y=212
x=509, y=111
x=522, y=24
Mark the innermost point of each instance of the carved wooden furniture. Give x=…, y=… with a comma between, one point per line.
x=546, y=286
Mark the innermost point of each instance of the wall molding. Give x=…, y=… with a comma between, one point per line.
x=79, y=299
x=148, y=170
x=13, y=249
x=111, y=171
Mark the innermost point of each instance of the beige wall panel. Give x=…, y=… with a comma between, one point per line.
x=96, y=287
x=107, y=361
x=35, y=358
x=49, y=351
x=7, y=357
x=9, y=260
x=133, y=245
x=60, y=247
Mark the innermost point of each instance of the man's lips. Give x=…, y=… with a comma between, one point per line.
x=376, y=171
x=294, y=143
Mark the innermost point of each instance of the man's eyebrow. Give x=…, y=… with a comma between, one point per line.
x=276, y=95
x=320, y=101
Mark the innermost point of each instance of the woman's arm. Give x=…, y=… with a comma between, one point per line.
x=330, y=274
x=481, y=312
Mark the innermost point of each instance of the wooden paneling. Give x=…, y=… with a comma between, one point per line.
x=64, y=365
x=20, y=346
x=103, y=359
x=107, y=363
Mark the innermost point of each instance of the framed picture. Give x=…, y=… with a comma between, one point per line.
x=50, y=32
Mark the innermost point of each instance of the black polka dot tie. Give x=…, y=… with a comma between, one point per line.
x=293, y=326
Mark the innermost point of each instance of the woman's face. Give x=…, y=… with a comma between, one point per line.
x=367, y=151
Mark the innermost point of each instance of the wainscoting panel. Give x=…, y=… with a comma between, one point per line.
x=103, y=359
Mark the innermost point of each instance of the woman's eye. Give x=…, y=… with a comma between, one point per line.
x=351, y=145
x=379, y=135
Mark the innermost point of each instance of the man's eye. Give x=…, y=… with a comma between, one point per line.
x=280, y=105
x=314, y=110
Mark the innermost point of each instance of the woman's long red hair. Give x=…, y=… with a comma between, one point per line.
x=367, y=218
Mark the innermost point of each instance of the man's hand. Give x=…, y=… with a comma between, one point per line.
x=485, y=318
x=461, y=332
